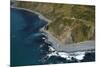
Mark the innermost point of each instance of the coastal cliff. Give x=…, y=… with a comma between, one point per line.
x=69, y=23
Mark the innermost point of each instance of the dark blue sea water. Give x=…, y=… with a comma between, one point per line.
x=28, y=46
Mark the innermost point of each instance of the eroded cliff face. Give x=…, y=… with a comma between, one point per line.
x=70, y=23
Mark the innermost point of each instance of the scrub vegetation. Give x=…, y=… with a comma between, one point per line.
x=70, y=23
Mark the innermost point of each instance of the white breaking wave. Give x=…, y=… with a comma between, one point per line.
x=51, y=48
x=65, y=55
x=52, y=54
x=79, y=55
x=68, y=56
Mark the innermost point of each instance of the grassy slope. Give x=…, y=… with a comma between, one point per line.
x=70, y=23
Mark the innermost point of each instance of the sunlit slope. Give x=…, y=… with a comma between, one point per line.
x=70, y=23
